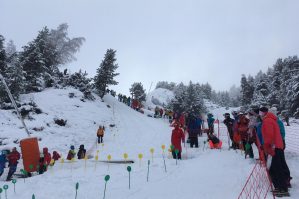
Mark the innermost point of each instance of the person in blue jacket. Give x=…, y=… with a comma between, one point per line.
x=3, y=160
x=211, y=121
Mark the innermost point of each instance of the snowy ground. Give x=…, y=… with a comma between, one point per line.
x=204, y=173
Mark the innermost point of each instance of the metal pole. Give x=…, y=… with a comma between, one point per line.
x=14, y=104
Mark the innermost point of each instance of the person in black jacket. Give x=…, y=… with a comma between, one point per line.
x=229, y=123
x=81, y=153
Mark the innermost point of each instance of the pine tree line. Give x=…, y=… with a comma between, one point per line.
x=278, y=87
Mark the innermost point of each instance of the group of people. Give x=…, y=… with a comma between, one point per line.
x=193, y=126
x=262, y=127
x=163, y=113
x=124, y=99
x=12, y=159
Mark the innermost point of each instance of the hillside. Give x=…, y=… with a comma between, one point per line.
x=210, y=173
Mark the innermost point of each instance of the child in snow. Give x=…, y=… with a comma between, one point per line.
x=177, y=137
x=100, y=134
x=41, y=164
x=13, y=158
x=81, y=153
x=71, y=153
x=55, y=156
x=47, y=158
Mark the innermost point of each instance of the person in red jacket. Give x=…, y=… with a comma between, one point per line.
x=13, y=158
x=177, y=137
x=47, y=158
x=273, y=146
x=55, y=156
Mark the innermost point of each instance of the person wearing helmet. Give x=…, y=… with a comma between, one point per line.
x=71, y=153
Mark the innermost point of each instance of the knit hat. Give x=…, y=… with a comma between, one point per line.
x=273, y=110
x=72, y=147
x=264, y=109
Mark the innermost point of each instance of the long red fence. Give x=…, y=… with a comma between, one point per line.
x=258, y=184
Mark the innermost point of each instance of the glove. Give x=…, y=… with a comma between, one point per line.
x=269, y=150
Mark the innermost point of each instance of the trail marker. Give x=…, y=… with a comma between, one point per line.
x=129, y=169
x=148, y=163
x=5, y=187
x=152, y=150
x=107, y=177
x=14, y=181
x=140, y=156
x=77, y=187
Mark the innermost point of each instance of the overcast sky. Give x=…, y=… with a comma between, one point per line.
x=211, y=41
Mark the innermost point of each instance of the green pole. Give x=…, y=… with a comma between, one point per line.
x=107, y=177
x=5, y=187
x=176, y=156
x=77, y=187
x=14, y=185
x=129, y=169
x=148, y=163
x=0, y=192
x=33, y=196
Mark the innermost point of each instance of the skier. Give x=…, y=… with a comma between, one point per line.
x=71, y=153
x=13, y=158
x=3, y=161
x=100, y=134
x=211, y=121
x=273, y=146
x=82, y=152
x=229, y=123
x=177, y=137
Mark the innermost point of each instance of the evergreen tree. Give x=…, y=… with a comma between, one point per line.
x=41, y=58
x=193, y=103
x=137, y=91
x=247, y=90
x=180, y=94
x=207, y=90
x=261, y=90
x=106, y=73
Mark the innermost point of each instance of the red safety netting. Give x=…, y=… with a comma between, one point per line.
x=258, y=184
x=292, y=139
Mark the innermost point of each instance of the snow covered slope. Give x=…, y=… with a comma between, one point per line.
x=159, y=97
x=204, y=173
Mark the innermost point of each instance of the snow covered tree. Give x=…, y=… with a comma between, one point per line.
x=180, y=94
x=137, y=91
x=247, y=89
x=261, y=90
x=11, y=71
x=194, y=104
x=106, y=73
x=207, y=90
x=166, y=85
x=41, y=58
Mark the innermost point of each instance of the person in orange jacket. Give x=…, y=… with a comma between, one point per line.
x=100, y=134
x=177, y=137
